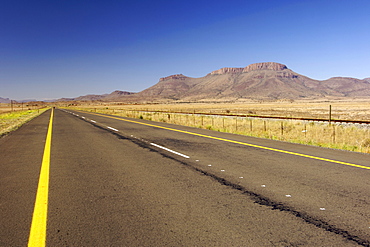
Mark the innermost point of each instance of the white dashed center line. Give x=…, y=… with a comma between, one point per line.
x=169, y=150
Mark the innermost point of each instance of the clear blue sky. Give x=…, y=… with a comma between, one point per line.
x=53, y=49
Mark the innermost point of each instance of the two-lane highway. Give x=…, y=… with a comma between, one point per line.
x=125, y=182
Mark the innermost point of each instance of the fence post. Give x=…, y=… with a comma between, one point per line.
x=282, y=128
x=334, y=133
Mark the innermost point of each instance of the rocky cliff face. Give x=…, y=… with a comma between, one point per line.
x=253, y=67
x=226, y=71
x=265, y=66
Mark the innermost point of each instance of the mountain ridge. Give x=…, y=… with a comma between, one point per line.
x=267, y=80
x=258, y=81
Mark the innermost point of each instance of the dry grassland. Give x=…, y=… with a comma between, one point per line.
x=10, y=121
x=344, y=109
x=7, y=107
x=352, y=137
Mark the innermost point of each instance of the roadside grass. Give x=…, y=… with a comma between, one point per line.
x=338, y=136
x=8, y=108
x=13, y=120
x=349, y=109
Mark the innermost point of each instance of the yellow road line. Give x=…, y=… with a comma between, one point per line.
x=237, y=142
x=37, y=236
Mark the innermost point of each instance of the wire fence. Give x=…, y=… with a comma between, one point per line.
x=339, y=135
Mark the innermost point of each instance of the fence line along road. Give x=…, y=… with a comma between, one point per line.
x=259, y=116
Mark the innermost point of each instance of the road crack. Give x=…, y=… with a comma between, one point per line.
x=255, y=197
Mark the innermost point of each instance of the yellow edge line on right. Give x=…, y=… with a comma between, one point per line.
x=237, y=142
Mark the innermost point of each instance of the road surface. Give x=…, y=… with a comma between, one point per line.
x=114, y=181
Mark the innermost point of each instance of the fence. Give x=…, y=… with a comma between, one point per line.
x=347, y=136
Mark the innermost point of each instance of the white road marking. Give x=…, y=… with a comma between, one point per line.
x=169, y=150
x=112, y=128
x=93, y=121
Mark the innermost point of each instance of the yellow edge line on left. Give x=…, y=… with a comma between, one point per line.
x=37, y=236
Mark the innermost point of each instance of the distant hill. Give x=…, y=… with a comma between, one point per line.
x=257, y=81
x=116, y=95
x=4, y=100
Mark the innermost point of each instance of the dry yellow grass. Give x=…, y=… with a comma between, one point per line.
x=341, y=109
x=7, y=107
x=13, y=120
x=347, y=137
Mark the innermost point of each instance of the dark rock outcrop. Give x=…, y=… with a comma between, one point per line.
x=178, y=77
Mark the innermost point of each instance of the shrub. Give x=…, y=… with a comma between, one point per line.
x=209, y=127
x=366, y=143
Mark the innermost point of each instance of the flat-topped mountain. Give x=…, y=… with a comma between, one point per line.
x=252, y=67
x=256, y=81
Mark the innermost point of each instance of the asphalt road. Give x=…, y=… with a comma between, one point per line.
x=126, y=182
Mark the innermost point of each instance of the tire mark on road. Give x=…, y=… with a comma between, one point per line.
x=257, y=198
x=238, y=142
